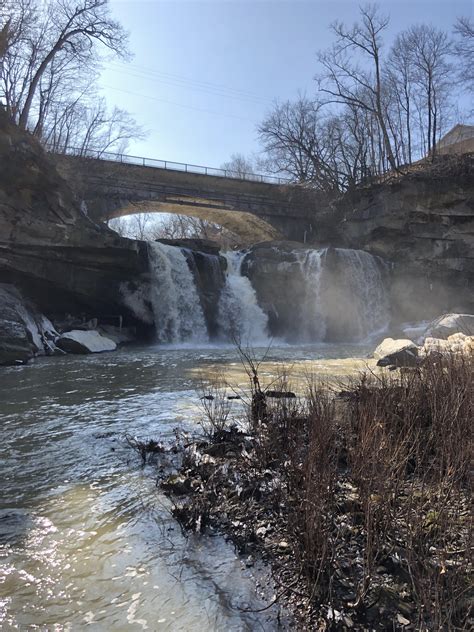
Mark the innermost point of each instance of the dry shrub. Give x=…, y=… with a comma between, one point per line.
x=215, y=404
x=388, y=482
x=410, y=453
x=381, y=480
x=314, y=474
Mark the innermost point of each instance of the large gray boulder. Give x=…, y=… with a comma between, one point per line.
x=400, y=353
x=449, y=324
x=82, y=342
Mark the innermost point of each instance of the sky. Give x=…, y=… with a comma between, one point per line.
x=205, y=73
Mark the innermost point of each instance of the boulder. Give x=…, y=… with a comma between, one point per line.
x=401, y=352
x=449, y=324
x=82, y=342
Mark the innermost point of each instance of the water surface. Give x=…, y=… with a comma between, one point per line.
x=86, y=538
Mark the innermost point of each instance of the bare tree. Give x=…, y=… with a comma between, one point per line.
x=429, y=49
x=239, y=166
x=300, y=142
x=189, y=227
x=313, y=144
x=89, y=128
x=56, y=35
x=16, y=18
x=464, y=49
x=151, y=226
x=353, y=69
x=400, y=79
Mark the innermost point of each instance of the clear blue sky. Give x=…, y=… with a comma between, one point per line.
x=205, y=73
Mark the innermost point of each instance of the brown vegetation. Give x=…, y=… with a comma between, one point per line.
x=360, y=502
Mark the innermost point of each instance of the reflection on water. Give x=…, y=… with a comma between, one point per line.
x=85, y=536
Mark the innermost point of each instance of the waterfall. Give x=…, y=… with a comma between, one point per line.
x=311, y=295
x=364, y=275
x=177, y=310
x=312, y=317
x=240, y=317
x=298, y=295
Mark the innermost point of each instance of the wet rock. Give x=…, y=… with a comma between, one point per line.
x=24, y=333
x=83, y=342
x=177, y=484
x=421, y=221
x=400, y=353
x=280, y=394
x=60, y=259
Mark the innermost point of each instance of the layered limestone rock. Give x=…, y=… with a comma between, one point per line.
x=314, y=295
x=49, y=248
x=423, y=222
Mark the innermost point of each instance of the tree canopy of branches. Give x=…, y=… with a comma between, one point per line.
x=379, y=107
x=51, y=52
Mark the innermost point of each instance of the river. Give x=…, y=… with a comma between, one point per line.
x=86, y=538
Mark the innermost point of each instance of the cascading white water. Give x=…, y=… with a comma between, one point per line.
x=336, y=294
x=364, y=276
x=312, y=296
x=240, y=317
x=177, y=310
x=312, y=317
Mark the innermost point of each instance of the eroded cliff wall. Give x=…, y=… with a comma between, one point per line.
x=49, y=248
x=424, y=223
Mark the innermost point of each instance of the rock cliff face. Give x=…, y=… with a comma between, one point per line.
x=50, y=251
x=424, y=223
x=48, y=247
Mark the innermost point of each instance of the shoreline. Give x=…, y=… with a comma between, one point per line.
x=293, y=489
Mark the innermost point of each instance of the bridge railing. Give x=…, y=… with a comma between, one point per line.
x=169, y=164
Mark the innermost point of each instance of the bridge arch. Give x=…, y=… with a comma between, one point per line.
x=246, y=226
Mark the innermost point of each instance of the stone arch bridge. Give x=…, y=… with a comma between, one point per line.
x=253, y=210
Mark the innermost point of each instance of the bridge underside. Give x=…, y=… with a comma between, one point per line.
x=247, y=227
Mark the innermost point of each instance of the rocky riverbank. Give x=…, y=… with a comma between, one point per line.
x=357, y=499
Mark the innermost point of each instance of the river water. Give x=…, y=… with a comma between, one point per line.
x=86, y=538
